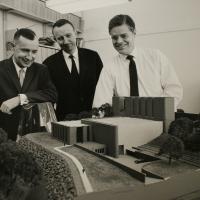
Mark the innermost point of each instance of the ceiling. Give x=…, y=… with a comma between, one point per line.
x=71, y=6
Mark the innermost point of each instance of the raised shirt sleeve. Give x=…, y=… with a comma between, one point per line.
x=169, y=80
x=104, y=89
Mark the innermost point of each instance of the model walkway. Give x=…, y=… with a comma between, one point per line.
x=83, y=175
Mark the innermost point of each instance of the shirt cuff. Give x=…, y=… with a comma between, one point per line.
x=23, y=99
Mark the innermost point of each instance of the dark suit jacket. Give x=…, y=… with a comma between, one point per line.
x=90, y=67
x=37, y=87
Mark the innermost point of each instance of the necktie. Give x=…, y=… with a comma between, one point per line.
x=21, y=76
x=74, y=91
x=134, y=91
x=74, y=70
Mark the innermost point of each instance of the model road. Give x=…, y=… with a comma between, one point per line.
x=83, y=175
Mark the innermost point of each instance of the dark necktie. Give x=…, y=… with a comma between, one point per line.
x=74, y=90
x=134, y=91
x=74, y=71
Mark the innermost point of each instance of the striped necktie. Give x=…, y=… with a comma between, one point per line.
x=21, y=76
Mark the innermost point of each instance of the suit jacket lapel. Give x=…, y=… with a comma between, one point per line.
x=83, y=65
x=12, y=73
x=30, y=73
x=63, y=64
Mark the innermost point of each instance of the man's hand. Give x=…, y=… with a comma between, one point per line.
x=9, y=104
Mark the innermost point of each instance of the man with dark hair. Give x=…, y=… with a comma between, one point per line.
x=27, y=33
x=22, y=81
x=119, y=20
x=134, y=71
x=74, y=71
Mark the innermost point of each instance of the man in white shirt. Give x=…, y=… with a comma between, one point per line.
x=154, y=75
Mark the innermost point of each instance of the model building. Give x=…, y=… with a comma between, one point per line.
x=135, y=122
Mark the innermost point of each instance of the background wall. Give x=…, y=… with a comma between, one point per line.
x=15, y=21
x=32, y=14
x=173, y=26
x=1, y=35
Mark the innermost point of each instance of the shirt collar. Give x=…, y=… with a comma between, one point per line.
x=133, y=53
x=75, y=54
x=17, y=66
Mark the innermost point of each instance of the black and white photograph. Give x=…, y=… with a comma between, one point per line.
x=99, y=99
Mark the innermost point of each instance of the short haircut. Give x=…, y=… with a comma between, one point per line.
x=119, y=20
x=62, y=22
x=24, y=32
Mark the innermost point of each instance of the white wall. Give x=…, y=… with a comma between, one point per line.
x=16, y=21
x=173, y=26
x=1, y=35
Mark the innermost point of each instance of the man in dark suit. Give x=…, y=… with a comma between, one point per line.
x=22, y=81
x=74, y=71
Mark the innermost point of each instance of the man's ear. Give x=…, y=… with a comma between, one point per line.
x=76, y=33
x=12, y=45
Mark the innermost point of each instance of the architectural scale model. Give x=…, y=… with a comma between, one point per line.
x=126, y=146
x=135, y=122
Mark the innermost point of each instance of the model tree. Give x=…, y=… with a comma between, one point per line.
x=193, y=141
x=3, y=136
x=179, y=132
x=104, y=110
x=20, y=176
x=181, y=128
x=173, y=147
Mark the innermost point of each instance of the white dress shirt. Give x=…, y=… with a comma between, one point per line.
x=19, y=68
x=156, y=77
x=23, y=97
x=69, y=61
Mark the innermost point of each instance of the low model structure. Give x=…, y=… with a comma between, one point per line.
x=70, y=132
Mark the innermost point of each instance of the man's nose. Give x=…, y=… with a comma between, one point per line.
x=30, y=55
x=119, y=40
x=66, y=40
